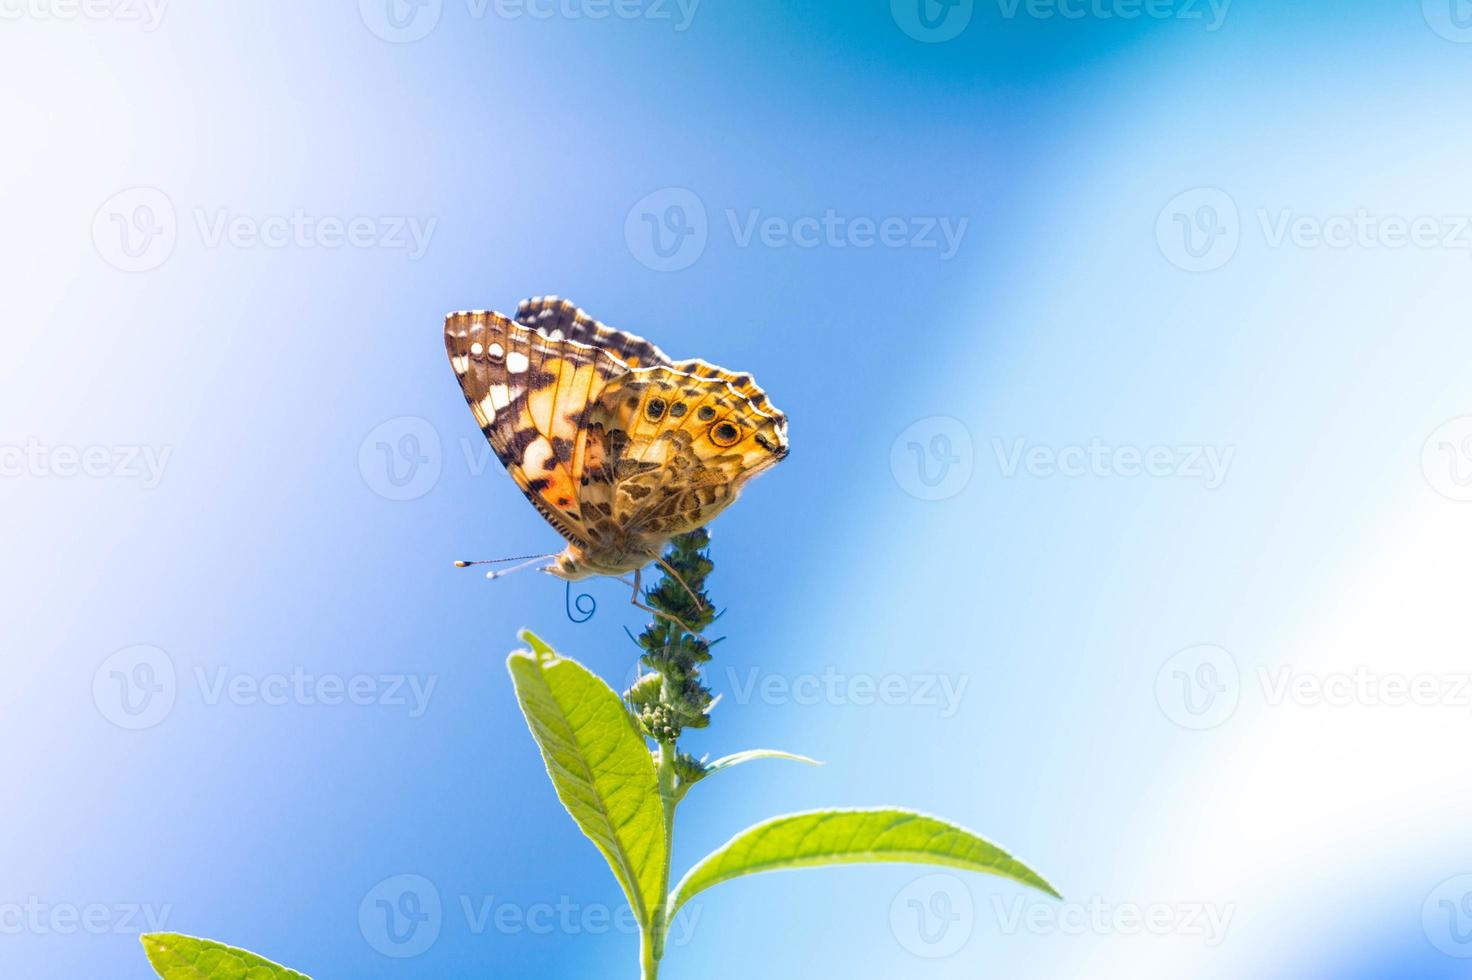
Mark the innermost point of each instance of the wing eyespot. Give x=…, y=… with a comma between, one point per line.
x=725, y=434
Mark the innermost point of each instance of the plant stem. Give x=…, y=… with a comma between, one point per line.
x=671, y=699
x=652, y=943
x=650, y=969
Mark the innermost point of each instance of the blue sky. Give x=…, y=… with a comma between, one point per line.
x=1125, y=354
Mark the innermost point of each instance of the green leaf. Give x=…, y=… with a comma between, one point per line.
x=176, y=957
x=735, y=759
x=805, y=840
x=600, y=766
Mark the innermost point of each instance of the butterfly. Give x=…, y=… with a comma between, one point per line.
x=617, y=446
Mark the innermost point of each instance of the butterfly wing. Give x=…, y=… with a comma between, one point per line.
x=534, y=398
x=681, y=444
x=743, y=386
x=559, y=319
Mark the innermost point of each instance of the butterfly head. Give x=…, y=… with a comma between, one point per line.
x=569, y=567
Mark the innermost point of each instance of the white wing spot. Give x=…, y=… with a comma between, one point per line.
x=497, y=351
x=476, y=349
x=537, y=454
x=517, y=362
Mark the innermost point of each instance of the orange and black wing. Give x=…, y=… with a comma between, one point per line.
x=534, y=397
x=560, y=319
x=681, y=445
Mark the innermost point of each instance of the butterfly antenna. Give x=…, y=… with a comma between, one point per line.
x=527, y=562
x=501, y=561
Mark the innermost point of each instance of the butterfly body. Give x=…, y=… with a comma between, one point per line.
x=573, y=564
x=619, y=447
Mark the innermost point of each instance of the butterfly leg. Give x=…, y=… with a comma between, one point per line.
x=670, y=571
x=638, y=584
